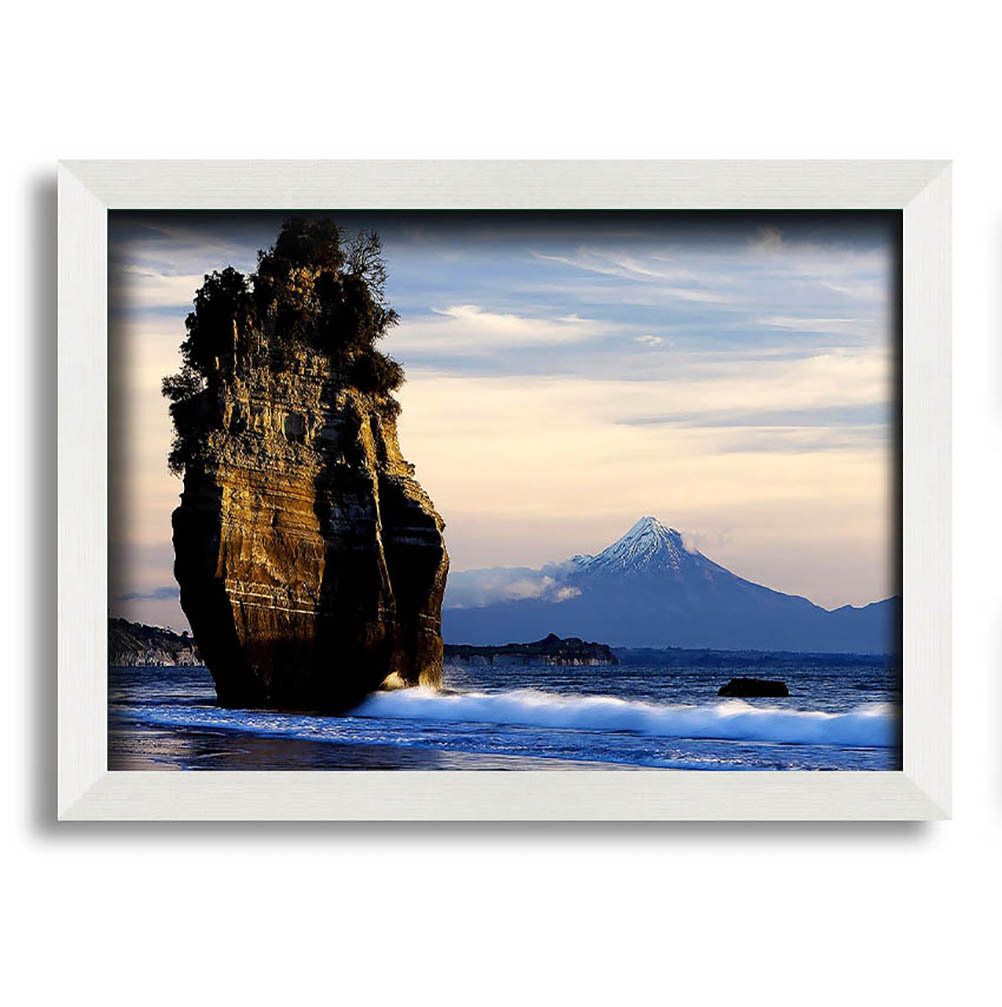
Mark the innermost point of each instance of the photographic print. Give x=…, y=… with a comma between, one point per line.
x=504, y=490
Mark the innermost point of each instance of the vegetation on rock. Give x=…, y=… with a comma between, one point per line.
x=317, y=288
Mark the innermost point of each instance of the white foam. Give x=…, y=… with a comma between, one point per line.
x=870, y=726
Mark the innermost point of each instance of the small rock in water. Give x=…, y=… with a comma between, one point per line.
x=742, y=687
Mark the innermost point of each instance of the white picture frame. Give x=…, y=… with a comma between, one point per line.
x=87, y=790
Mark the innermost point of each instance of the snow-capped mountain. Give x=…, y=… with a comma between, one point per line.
x=648, y=589
x=648, y=548
x=648, y=545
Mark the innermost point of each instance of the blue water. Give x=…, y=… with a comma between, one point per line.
x=841, y=714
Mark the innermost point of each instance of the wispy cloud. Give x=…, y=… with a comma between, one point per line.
x=470, y=329
x=144, y=288
x=624, y=266
x=858, y=327
x=838, y=265
x=869, y=414
x=800, y=440
x=157, y=594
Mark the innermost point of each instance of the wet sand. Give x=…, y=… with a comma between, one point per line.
x=137, y=747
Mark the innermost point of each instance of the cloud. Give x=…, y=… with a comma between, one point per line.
x=840, y=267
x=695, y=542
x=875, y=414
x=447, y=405
x=139, y=287
x=543, y=452
x=625, y=266
x=798, y=440
x=476, y=588
x=649, y=340
x=861, y=290
x=767, y=240
x=469, y=329
x=769, y=270
x=836, y=326
x=616, y=263
x=157, y=594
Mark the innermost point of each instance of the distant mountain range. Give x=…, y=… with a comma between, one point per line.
x=649, y=590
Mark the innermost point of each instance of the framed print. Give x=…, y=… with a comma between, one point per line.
x=504, y=490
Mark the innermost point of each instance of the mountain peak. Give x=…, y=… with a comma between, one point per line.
x=647, y=546
x=652, y=523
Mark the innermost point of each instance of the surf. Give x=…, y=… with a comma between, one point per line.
x=870, y=726
x=873, y=725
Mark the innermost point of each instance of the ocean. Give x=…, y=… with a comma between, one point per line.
x=843, y=713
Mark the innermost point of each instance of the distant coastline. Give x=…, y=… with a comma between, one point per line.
x=550, y=650
x=710, y=657
x=133, y=645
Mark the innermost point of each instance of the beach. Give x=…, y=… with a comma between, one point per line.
x=842, y=714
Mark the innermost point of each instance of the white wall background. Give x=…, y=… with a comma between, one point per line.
x=555, y=914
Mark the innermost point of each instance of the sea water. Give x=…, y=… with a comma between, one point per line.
x=842, y=713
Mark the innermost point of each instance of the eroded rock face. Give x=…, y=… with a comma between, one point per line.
x=311, y=562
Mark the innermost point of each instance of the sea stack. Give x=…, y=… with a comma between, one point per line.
x=311, y=562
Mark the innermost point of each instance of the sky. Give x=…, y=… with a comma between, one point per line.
x=734, y=375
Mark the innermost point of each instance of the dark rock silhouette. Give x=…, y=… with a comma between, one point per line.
x=311, y=562
x=135, y=645
x=744, y=687
x=550, y=650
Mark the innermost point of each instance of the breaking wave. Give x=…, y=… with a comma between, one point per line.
x=870, y=726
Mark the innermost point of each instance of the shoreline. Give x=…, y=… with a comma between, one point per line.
x=133, y=747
